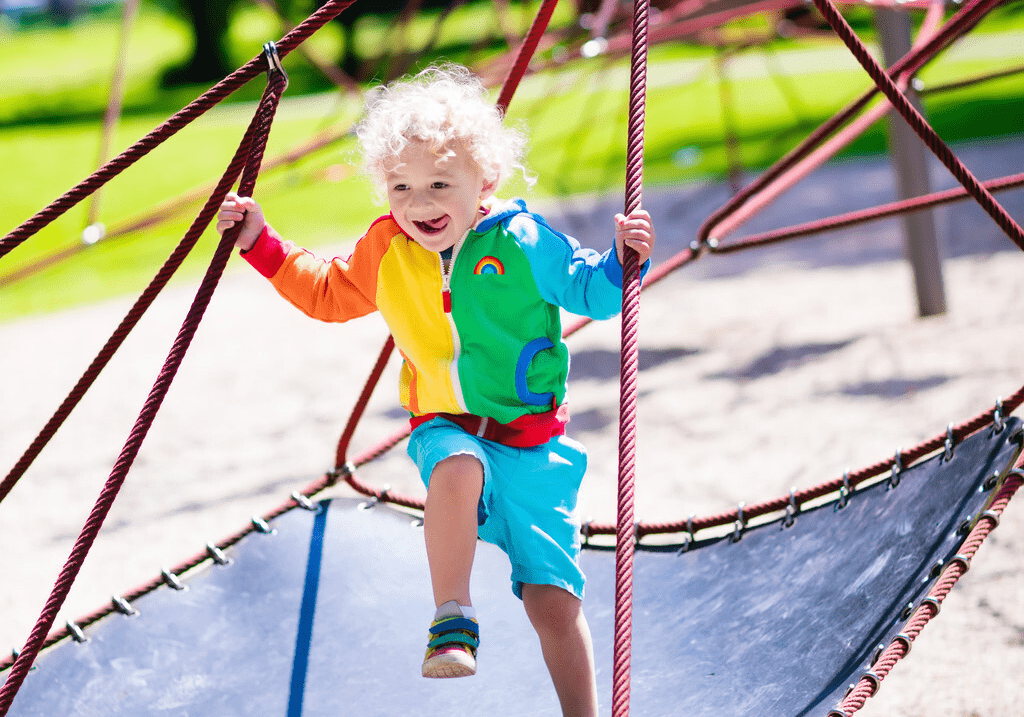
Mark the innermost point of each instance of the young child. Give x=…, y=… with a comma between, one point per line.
x=470, y=287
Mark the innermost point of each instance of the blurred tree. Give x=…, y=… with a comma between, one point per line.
x=61, y=12
x=209, y=61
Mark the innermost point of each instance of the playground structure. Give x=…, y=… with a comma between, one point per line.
x=706, y=242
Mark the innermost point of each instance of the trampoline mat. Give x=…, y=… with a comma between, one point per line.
x=328, y=614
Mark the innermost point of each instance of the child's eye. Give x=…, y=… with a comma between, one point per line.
x=400, y=187
x=439, y=185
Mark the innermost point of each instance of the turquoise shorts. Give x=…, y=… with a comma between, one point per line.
x=528, y=504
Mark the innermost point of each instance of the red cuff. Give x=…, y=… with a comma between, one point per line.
x=268, y=253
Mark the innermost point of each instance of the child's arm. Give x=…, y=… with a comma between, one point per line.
x=635, y=231
x=241, y=209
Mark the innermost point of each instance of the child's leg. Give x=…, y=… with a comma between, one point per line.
x=450, y=526
x=557, y=615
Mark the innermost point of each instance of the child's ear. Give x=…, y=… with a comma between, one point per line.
x=489, y=187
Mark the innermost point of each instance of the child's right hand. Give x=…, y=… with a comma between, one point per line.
x=241, y=209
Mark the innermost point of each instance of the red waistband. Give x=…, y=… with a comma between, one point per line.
x=527, y=431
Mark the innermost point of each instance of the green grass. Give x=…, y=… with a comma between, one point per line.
x=49, y=133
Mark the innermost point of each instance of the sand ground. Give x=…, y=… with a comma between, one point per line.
x=777, y=371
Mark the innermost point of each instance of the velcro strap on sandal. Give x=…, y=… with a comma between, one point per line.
x=450, y=624
x=454, y=638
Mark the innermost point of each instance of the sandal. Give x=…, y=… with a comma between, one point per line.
x=451, y=651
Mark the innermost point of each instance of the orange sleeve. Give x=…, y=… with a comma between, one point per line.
x=337, y=289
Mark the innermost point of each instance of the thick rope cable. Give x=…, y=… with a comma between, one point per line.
x=256, y=66
x=869, y=685
x=170, y=127
x=629, y=371
x=919, y=124
x=862, y=216
x=260, y=131
x=968, y=16
x=525, y=54
x=341, y=453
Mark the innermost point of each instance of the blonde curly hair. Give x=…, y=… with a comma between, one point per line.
x=437, y=105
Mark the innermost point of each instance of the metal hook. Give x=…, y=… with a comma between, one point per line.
x=997, y=416
x=76, y=632
x=303, y=501
x=897, y=468
x=123, y=606
x=948, y=450
x=791, y=510
x=845, y=491
x=740, y=525
x=274, y=61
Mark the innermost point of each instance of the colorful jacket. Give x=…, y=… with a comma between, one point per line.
x=483, y=338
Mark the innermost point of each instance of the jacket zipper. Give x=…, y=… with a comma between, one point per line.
x=446, y=298
x=446, y=275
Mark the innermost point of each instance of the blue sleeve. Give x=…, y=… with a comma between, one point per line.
x=580, y=280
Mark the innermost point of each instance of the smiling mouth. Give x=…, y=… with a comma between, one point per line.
x=432, y=226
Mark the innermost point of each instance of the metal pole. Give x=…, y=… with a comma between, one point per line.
x=909, y=160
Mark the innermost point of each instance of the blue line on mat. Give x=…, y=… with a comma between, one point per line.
x=300, y=665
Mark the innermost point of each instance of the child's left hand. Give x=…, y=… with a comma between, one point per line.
x=635, y=231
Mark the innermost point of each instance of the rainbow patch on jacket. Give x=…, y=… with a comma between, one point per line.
x=489, y=265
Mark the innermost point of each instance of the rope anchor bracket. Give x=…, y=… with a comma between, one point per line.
x=274, y=62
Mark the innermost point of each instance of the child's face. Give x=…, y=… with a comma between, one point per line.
x=435, y=195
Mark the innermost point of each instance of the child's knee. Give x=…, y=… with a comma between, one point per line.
x=462, y=473
x=552, y=609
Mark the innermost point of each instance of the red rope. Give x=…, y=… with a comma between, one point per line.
x=110, y=170
x=181, y=119
x=866, y=687
x=526, y=51
x=258, y=132
x=963, y=20
x=862, y=216
x=364, y=398
x=919, y=124
x=629, y=371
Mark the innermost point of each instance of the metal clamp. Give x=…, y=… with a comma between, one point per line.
x=845, y=491
x=274, y=61
x=897, y=468
x=934, y=602
x=348, y=468
x=262, y=526
x=904, y=639
x=690, y=538
x=217, y=555
x=872, y=677
x=947, y=453
x=123, y=606
x=963, y=560
x=740, y=525
x=303, y=501
x=381, y=497
x=991, y=515
x=76, y=632
x=791, y=510
x=997, y=416
x=172, y=580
